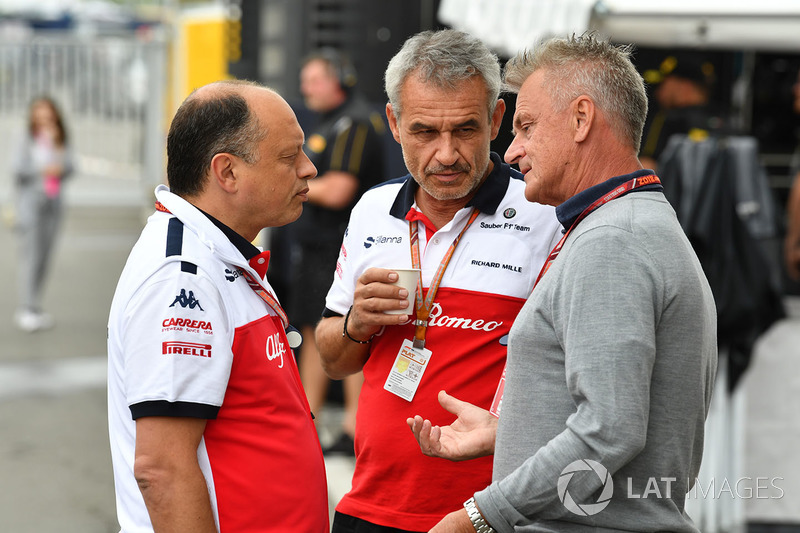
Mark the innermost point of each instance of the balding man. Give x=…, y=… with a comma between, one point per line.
x=210, y=429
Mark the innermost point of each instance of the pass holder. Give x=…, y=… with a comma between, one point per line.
x=407, y=370
x=294, y=337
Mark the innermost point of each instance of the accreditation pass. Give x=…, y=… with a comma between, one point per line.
x=407, y=370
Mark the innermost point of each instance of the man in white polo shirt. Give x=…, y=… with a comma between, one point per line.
x=459, y=216
x=209, y=425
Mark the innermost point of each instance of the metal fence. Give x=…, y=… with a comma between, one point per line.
x=111, y=90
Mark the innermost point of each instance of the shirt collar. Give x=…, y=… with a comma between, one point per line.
x=486, y=199
x=245, y=247
x=571, y=209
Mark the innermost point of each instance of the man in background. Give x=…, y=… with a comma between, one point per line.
x=683, y=105
x=346, y=146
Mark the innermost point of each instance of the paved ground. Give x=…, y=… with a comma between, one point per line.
x=55, y=470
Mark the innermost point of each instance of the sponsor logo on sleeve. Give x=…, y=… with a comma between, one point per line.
x=232, y=275
x=369, y=242
x=186, y=324
x=185, y=348
x=186, y=301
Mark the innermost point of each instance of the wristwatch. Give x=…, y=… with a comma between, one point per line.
x=475, y=516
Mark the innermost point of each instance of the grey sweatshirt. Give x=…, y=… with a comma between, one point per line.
x=611, y=360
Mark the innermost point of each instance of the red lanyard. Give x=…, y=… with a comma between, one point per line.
x=626, y=187
x=268, y=297
x=265, y=295
x=424, y=306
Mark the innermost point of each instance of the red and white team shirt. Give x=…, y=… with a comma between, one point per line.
x=488, y=279
x=188, y=336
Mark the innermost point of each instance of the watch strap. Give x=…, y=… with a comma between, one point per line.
x=478, y=522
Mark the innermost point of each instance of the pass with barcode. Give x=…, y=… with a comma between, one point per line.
x=407, y=370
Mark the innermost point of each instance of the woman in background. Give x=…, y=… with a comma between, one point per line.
x=42, y=162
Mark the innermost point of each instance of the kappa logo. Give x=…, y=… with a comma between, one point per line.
x=186, y=301
x=380, y=239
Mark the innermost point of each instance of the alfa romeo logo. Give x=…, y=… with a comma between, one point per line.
x=585, y=509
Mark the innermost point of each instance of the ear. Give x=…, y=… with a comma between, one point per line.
x=497, y=117
x=393, y=122
x=583, y=117
x=223, y=172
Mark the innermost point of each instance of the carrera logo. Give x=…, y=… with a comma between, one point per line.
x=380, y=239
x=192, y=326
x=186, y=301
x=185, y=348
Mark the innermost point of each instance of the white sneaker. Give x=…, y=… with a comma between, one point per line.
x=30, y=321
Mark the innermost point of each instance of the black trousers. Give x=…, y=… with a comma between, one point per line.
x=343, y=523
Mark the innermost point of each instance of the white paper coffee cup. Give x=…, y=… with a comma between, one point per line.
x=408, y=279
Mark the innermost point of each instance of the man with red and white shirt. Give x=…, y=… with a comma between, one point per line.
x=459, y=216
x=209, y=426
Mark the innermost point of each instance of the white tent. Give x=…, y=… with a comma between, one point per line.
x=511, y=25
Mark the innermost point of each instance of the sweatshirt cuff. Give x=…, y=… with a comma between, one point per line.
x=497, y=510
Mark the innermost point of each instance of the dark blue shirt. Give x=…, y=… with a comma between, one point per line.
x=570, y=210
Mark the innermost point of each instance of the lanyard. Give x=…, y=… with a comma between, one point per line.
x=268, y=297
x=625, y=188
x=265, y=295
x=621, y=190
x=424, y=306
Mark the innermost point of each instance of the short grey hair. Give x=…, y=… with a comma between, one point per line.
x=587, y=65
x=443, y=58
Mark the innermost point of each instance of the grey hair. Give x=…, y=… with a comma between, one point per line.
x=443, y=58
x=587, y=65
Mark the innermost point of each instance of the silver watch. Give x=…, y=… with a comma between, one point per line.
x=478, y=522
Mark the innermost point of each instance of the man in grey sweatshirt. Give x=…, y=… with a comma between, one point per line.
x=611, y=361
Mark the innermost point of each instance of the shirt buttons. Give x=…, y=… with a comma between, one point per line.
x=436, y=240
x=261, y=260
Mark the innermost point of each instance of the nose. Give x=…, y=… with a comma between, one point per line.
x=515, y=151
x=447, y=150
x=305, y=168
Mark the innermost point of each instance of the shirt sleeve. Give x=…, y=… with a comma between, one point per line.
x=177, y=345
x=340, y=295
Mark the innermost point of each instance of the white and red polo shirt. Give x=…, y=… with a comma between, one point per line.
x=187, y=336
x=489, y=277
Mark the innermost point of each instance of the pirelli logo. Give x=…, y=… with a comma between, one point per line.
x=186, y=348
